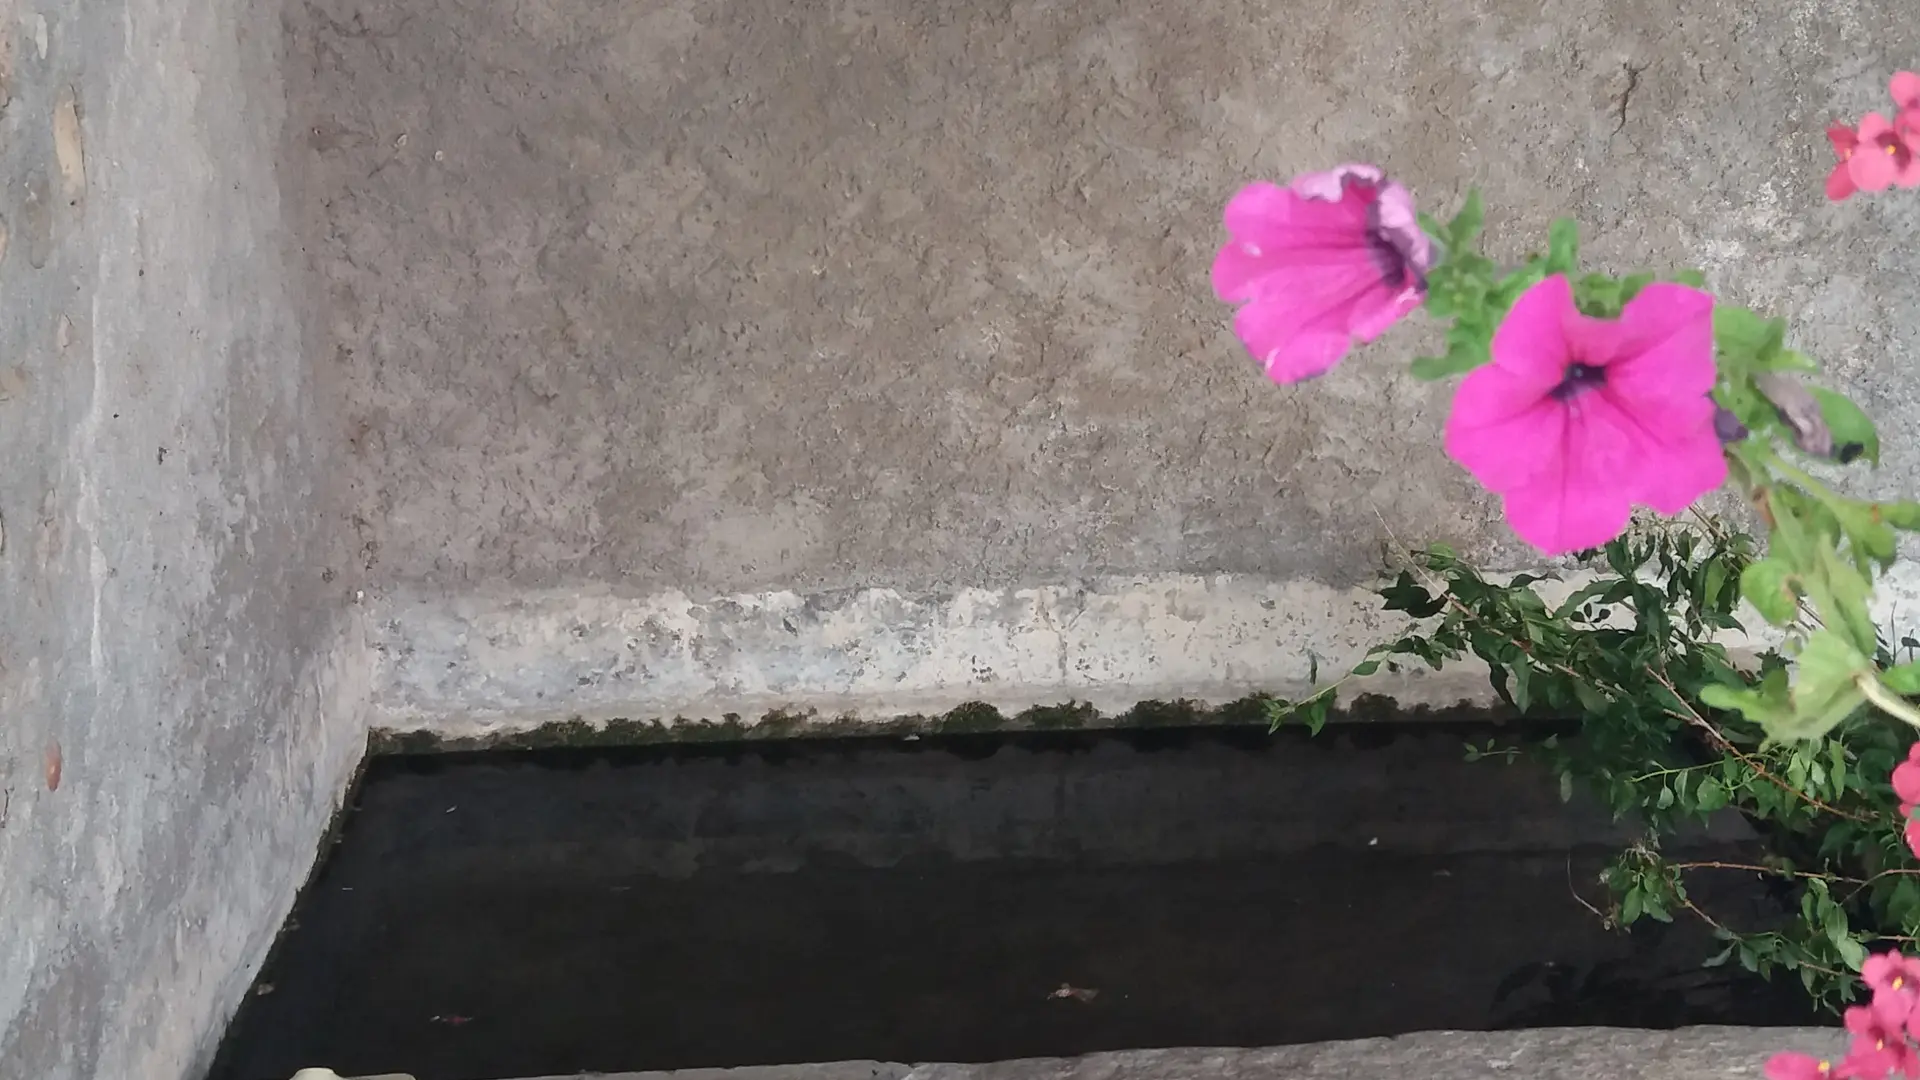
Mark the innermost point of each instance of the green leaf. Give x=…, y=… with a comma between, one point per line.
x=1902, y=679
x=1901, y=514
x=1592, y=701
x=1851, y=428
x=1851, y=952
x=1744, y=338
x=1566, y=787
x=1563, y=246
x=1768, y=584
x=1460, y=359
x=1631, y=904
x=1464, y=229
x=1664, y=799
x=1826, y=692
x=1520, y=686
x=1631, y=285
x=1406, y=594
x=1711, y=795
x=1691, y=278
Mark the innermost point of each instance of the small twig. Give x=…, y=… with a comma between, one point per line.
x=1581, y=900
x=1692, y=716
x=1775, y=871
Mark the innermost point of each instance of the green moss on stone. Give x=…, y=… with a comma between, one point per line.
x=968, y=719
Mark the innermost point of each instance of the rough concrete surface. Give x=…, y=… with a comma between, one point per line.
x=1702, y=1053
x=715, y=296
x=178, y=720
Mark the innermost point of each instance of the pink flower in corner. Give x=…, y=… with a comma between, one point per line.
x=1875, y=156
x=1895, y=982
x=1793, y=1066
x=1906, y=780
x=1905, y=88
x=1333, y=257
x=1577, y=418
x=1878, y=1048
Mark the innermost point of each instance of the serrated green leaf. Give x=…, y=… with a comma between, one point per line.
x=1768, y=584
x=1853, y=432
x=1902, y=514
x=1460, y=359
x=1902, y=679
x=1464, y=229
x=1563, y=246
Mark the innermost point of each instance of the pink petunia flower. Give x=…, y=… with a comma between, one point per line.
x=1333, y=257
x=1795, y=1066
x=1577, y=418
x=1911, y=832
x=1878, y=1048
x=1895, y=982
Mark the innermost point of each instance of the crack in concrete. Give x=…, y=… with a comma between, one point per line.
x=1626, y=96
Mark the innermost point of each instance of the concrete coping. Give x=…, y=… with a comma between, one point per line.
x=471, y=670
x=1698, y=1053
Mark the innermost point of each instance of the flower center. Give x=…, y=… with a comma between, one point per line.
x=1579, y=379
x=1386, y=257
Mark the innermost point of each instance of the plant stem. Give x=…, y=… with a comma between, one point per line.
x=1889, y=702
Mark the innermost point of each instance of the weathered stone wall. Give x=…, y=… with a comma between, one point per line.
x=176, y=716
x=838, y=309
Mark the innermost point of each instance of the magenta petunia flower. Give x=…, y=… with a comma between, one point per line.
x=1333, y=257
x=1577, y=418
x=1795, y=1066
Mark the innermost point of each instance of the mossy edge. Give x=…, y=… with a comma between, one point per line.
x=971, y=718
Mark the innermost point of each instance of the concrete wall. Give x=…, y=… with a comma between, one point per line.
x=828, y=306
x=702, y=356
x=176, y=718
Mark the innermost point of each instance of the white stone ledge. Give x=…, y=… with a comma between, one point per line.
x=479, y=665
x=1699, y=1053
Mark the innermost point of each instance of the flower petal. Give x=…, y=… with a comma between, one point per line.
x=1840, y=185
x=1844, y=140
x=1531, y=342
x=1245, y=271
x=1906, y=782
x=1291, y=343
x=1379, y=308
x=1905, y=88
x=1682, y=473
x=1665, y=347
x=1332, y=184
x=1396, y=217
x=1567, y=513
x=1504, y=430
x=1789, y=1065
x=1582, y=498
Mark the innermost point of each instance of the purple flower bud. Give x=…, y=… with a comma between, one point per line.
x=1728, y=426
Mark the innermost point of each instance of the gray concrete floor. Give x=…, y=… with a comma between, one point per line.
x=717, y=296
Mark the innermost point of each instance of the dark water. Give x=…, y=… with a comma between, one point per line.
x=537, y=914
